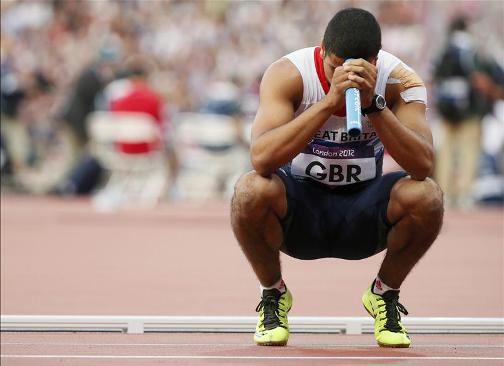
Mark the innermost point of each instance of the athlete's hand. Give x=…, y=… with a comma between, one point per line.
x=363, y=73
x=340, y=82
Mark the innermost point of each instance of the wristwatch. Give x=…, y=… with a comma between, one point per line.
x=378, y=104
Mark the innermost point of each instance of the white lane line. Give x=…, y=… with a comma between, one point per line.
x=315, y=345
x=185, y=357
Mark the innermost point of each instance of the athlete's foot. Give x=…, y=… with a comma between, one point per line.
x=273, y=328
x=386, y=309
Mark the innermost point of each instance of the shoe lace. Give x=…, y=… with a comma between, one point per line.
x=393, y=310
x=269, y=304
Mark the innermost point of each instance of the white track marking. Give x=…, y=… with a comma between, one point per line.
x=184, y=357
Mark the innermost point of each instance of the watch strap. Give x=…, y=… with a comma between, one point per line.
x=373, y=107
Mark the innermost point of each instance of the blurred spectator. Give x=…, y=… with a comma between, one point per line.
x=85, y=172
x=459, y=104
x=213, y=150
x=489, y=186
x=5, y=160
x=83, y=95
x=143, y=164
x=194, y=44
x=26, y=132
x=403, y=33
x=132, y=92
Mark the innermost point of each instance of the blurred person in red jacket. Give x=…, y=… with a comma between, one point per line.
x=135, y=95
x=132, y=92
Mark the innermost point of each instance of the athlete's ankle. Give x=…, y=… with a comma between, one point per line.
x=379, y=287
x=278, y=285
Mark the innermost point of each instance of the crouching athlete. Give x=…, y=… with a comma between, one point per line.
x=315, y=192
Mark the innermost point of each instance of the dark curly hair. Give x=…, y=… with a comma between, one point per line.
x=353, y=33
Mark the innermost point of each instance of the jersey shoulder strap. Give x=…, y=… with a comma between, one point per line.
x=387, y=62
x=304, y=61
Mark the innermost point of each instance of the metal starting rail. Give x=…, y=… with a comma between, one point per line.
x=234, y=324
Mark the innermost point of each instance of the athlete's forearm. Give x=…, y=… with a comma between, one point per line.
x=280, y=145
x=412, y=151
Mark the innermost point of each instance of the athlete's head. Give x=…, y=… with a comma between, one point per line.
x=353, y=33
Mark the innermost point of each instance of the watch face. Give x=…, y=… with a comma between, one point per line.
x=380, y=102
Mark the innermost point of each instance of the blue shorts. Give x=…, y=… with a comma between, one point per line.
x=348, y=222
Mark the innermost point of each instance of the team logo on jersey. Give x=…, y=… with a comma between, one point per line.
x=336, y=164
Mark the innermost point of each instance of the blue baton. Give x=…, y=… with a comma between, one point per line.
x=353, y=111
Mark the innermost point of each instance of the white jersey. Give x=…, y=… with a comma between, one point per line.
x=333, y=157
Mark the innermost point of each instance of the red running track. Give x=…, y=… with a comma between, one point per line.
x=76, y=349
x=59, y=257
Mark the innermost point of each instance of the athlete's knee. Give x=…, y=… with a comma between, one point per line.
x=430, y=200
x=421, y=198
x=253, y=194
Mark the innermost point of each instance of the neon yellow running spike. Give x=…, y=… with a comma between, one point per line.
x=389, y=330
x=273, y=328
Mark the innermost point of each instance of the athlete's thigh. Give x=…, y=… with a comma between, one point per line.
x=304, y=226
x=363, y=232
x=409, y=194
x=258, y=192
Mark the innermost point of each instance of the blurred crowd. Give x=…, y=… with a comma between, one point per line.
x=64, y=60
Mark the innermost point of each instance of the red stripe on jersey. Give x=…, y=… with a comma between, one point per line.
x=319, y=67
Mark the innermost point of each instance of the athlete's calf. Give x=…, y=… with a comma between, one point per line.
x=416, y=211
x=258, y=205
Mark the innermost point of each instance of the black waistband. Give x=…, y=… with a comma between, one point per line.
x=349, y=188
